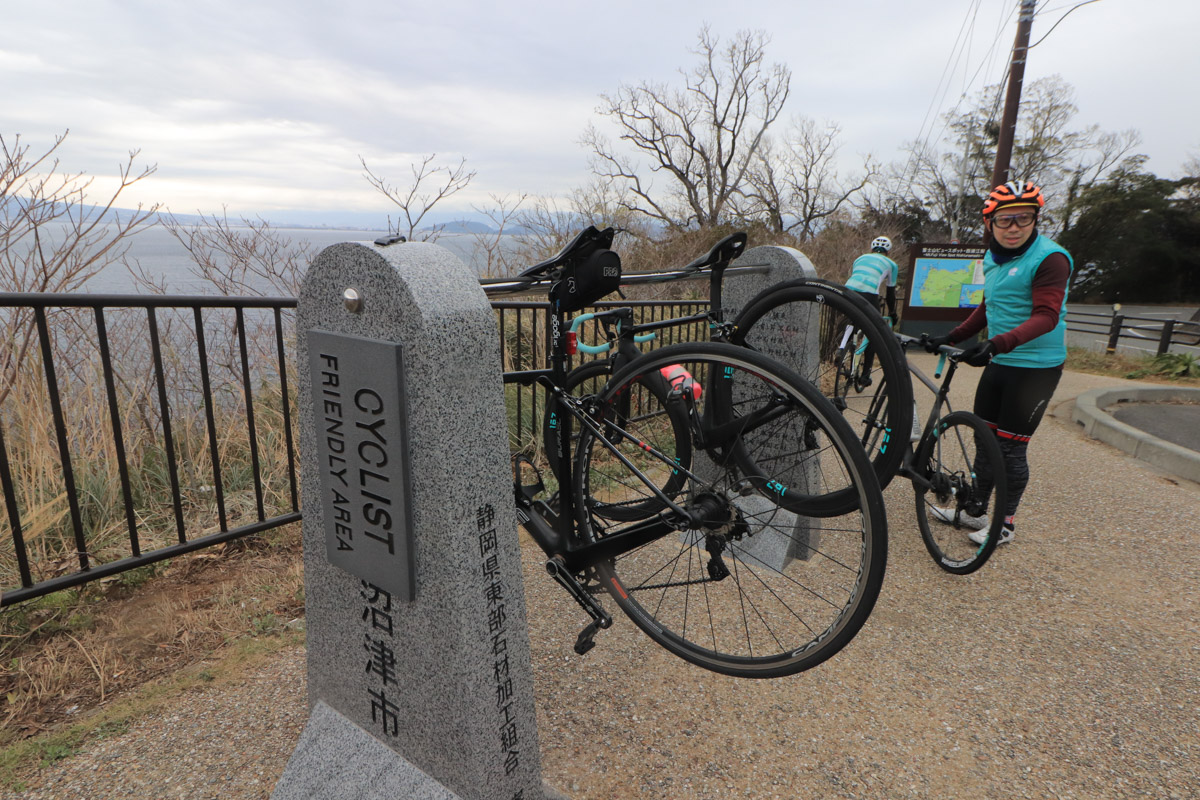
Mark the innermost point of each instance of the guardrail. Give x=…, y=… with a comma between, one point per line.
x=1161, y=335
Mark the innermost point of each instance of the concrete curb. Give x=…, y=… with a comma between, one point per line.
x=1090, y=412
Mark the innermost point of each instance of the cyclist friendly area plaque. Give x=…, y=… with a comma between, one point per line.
x=362, y=451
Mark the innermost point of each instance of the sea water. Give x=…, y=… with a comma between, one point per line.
x=157, y=253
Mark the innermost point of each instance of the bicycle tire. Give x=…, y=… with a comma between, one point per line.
x=650, y=397
x=950, y=459
x=835, y=306
x=759, y=590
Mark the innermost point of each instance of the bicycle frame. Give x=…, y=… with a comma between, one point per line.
x=557, y=538
x=941, y=400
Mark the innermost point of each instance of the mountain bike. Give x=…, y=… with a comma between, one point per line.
x=689, y=505
x=955, y=468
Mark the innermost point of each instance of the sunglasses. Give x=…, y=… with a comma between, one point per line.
x=1020, y=220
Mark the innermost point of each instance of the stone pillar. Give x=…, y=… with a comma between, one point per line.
x=789, y=536
x=418, y=653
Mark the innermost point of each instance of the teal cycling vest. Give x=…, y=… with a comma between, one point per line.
x=1008, y=292
x=868, y=272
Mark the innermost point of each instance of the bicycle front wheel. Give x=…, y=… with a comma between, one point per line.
x=954, y=467
x=748, y=584
x=865, y=374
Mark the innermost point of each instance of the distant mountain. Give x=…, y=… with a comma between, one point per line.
x=316, y=220
x=462, y=226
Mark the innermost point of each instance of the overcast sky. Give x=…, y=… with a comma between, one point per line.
x=265, y=107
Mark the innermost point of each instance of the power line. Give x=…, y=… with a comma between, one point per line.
x=920, y=145
x=1060, y=19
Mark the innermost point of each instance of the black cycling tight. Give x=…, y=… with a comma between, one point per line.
x=1012, y=400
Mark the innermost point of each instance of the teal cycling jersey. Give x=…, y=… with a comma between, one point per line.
x=1008, y=296
x=872, y=272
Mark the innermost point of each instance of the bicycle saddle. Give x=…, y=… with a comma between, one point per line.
x=585, y=242
x=722, y=252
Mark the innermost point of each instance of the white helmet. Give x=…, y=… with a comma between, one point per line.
x=882, y=243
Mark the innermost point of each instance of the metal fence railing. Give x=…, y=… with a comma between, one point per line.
x=137, y=428
x=524, y=328
x=1145, y=333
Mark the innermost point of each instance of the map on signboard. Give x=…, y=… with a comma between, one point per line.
x=947, y=282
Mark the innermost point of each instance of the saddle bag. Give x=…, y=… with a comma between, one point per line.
x=586, y=280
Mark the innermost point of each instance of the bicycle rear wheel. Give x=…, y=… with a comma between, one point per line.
x=961, y=449
x=757, y=588
x=808, y=318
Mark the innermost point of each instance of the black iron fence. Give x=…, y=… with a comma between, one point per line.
x=134, y=429
x=1146, y=333
x=525, y=341
x=138, y=428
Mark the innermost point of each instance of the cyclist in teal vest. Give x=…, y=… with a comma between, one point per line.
x=869, y=274
x=872, y=273
x=1025, y=277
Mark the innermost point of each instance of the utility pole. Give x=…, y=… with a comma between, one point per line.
x=1016, y=74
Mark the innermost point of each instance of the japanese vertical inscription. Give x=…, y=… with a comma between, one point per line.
x=359, y=391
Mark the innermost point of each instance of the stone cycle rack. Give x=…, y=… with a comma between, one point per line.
x=419, y=675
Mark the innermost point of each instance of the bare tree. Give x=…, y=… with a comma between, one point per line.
x=429, y=186
x=1065, y=161
x=702, y=139
x=502, y=214
x=795, y=185
x=53, y=238
x=242, y=257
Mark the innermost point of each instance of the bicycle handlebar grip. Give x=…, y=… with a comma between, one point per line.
x=593, y=349
x=582, y=318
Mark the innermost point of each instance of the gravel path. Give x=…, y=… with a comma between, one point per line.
x=1069, y=667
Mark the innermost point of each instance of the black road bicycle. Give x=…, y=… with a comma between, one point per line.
x=799, y=316
x=954, y=468
x=699, y=504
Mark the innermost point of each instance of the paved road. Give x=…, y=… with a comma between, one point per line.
x=1130, y=310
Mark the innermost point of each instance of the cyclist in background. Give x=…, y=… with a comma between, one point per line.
x=1024, y=308
x=873, y=273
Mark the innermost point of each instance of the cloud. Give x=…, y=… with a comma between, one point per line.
x=268, y=104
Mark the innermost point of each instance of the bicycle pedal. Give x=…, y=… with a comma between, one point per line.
x=586, y=640
x=580, y=593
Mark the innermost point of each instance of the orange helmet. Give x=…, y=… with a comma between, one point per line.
x=1013, y=193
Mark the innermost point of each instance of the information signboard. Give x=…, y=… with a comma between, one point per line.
x=945, y=283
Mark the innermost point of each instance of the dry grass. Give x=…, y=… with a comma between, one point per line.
x=79, y=649
x=1120, y=365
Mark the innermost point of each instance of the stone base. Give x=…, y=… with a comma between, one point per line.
x=337, y=760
